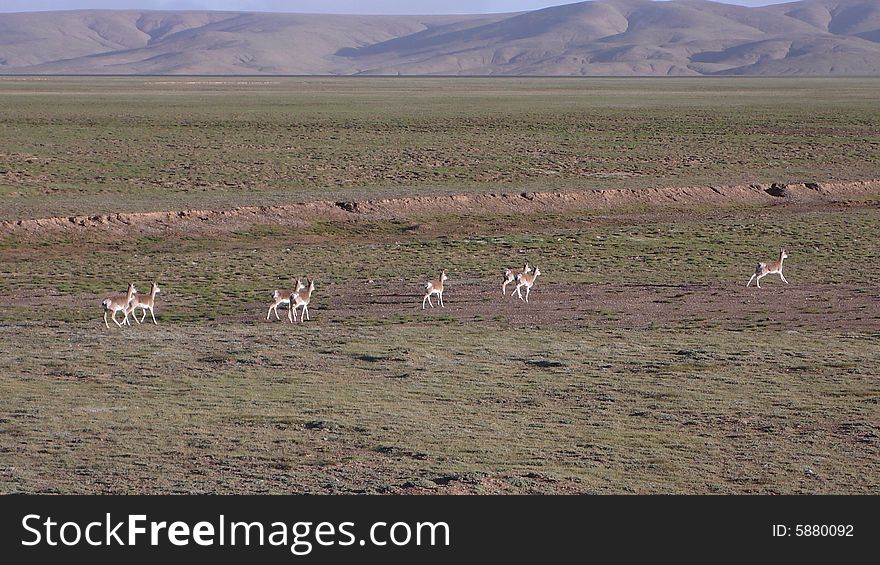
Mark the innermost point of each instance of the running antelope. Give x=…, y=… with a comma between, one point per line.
x=301, y=299
x=526, y=280
x=512, y=275
x=116, y=303
x=772, y=268
x=282, y=298
x=435, y=287
x=144, y=303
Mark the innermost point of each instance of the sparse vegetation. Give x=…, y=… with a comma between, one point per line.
x=86, y=146
x=642, y=364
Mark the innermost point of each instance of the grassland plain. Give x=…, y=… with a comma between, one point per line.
x=83, y=145
x=642, y=363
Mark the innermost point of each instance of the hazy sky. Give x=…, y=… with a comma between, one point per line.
x=420, y=7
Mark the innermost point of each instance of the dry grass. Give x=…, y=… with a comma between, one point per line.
x=600, y=385
x=642, y=365
x=266, y=408
x=70, y=146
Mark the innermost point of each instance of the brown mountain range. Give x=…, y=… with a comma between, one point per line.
x=602, y=37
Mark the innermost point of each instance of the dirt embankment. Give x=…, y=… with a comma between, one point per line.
x=297, y=215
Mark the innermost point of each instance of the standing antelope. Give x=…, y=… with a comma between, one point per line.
x=116, y=303
x=512, y=275
x=526, y=280
x=435, y=287
x=283, y=298
x=144, y=303
x=772, y=268
x=301, y=299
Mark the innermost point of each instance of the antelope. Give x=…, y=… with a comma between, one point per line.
x=301, y=299
x=512, y=275
x=772, y=268
x=435, y=287
x=116, y=303
x=283, y=298
x=526, y=280
x=144, y=303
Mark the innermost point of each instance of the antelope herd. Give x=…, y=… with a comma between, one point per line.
x=301, y=295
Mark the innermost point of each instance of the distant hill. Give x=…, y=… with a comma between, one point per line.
x=604, y=37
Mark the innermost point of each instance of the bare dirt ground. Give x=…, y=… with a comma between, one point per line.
x=627, y=305
x=641, y=364
x=218, y=222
